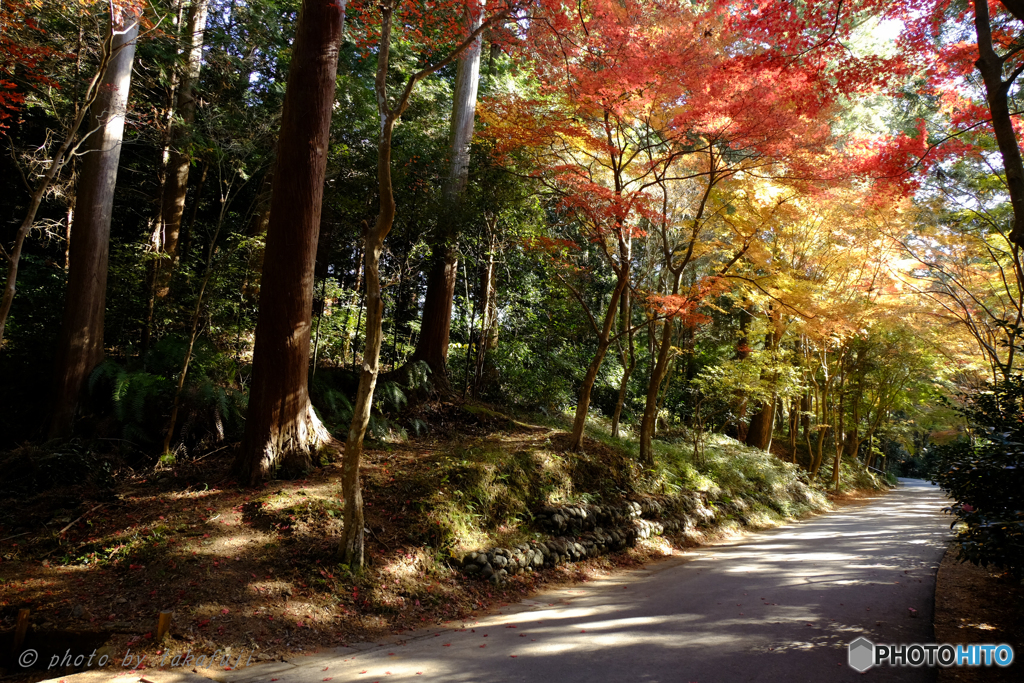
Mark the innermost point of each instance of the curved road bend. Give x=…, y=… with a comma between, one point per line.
x=778, y=606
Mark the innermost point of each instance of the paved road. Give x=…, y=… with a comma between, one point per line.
x=778, y=606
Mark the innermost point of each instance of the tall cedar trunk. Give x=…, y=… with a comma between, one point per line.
x=647, y=424
x=80, y=346
x=178, y=164
x=997, y=94
x=156, y=225
x=281, y=428
x=467, y=83
x=432, y=345
x=65, y=153
x=759, y=432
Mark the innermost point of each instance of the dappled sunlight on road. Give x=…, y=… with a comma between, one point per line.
x=776, y=604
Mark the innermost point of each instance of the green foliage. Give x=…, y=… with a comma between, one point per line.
x=332, y=391
x=135, y=400
x=139, y=401
x=733, y=471
x=986, y=477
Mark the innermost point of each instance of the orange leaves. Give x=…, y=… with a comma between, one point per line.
x=20, y=54
x=684, y=307
x=432, y=26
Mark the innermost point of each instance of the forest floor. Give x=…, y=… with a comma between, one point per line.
x=977, y=605
x=253, y=573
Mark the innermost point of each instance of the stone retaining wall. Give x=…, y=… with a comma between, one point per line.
x=577, y=532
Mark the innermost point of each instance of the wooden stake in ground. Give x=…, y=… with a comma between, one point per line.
x=20, y=630
x=163, y=625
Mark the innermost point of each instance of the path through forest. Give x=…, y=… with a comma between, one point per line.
x=778, y=605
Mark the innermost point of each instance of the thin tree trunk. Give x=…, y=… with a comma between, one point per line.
x=178, y=165
x=359, y=325
x=281, y=428
x=627, y=356
x=69, y=218
x=470, y=324
x=819, y=451
x=837, y=435
x=794, y=426
x=647, y=423
x=853, y=439
x=353, y=529
x=742, y=353
x=351, y=340
x=603, y=342
x=194, y=331
x=660, y=423
x=997, y=94
x=488, y=313
x=80, y=346
x=319, y=324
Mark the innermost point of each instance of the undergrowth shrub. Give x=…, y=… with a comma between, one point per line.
x=332, y=391
x=32, y=469
x=139, y=400
x=986, y=477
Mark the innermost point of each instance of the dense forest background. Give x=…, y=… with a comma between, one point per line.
x=796, y=224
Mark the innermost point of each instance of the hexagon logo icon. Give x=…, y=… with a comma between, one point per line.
x=861, y=654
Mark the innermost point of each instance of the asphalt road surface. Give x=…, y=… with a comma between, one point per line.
x=780, y=605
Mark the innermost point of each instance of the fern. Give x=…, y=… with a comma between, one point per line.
x=393, y=396
x=121, y=384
